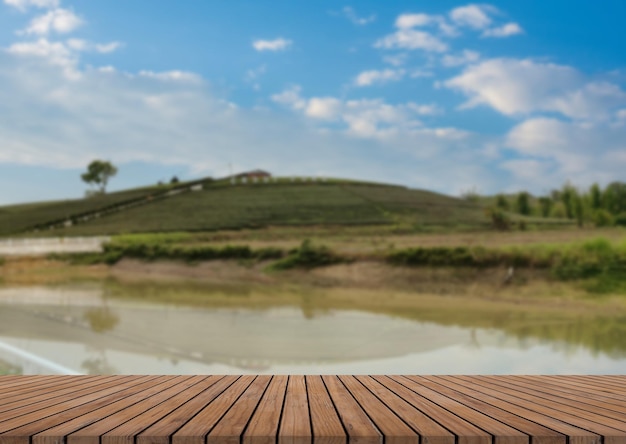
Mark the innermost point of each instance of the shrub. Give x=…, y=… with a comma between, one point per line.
x=620, y=219
x=602, y=218
x=308, y=256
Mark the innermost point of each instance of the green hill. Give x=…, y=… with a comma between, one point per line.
x=220, y=205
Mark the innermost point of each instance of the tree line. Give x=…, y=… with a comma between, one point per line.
x=595, y=205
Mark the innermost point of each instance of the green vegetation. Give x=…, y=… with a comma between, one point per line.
x=220, y=205
x=98, y=173
x=17, y=219
x=595, y=206
x=308, y=256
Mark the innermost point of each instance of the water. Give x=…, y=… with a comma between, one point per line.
x=94, y=330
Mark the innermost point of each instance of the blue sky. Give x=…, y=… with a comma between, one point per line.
x=445, y=95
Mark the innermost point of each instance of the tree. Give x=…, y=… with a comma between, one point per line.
x=98, y=173
x=502, y=202
x=596, y=196
x=546, y=205
x=523, y=203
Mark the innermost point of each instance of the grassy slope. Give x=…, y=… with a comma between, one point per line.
x=223, y=207
x=17, y=218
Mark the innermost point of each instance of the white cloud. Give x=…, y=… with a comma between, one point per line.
x=518, y=87
x=291, y=98
x=23, y=5
x=560, y=151
x=325, y=108
x=54, y=53
x=467, y=56
x=405, y=21
x=411, y=39
x=278, y=44
x=106, y=48
x=58, y=20
x=174, y=76
x=367, y=78
x=364, y=118
x=351, y=15
x=408, y=21
x=506, y=30
x=473, y=15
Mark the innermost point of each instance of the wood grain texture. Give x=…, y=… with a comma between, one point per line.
x=311, y=409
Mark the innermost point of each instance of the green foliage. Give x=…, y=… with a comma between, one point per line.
x=598, y=263
x=595, y=194
x=620, y=219
x=221, y=206
x=614, y=197
x=308, y=256
x=602, y=218
x=568, y=194
x=156, y=251
x=523, y=203
x=545, y=205
x=499, y=219
x=579, y=210
x=502, y=202
x=98, y=173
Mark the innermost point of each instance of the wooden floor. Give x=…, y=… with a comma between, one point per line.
x=298, y=409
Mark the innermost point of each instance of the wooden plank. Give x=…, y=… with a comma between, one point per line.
x=539, y=433
x=503, y=434
x=429, y=430
x=568, y=406
x=576, y=395
x=30, y=413
x=356, y=423
x=12, y=384
x=20, y=429
x=466, y=432
x=161, y=391
x=231, y=426
x=325, y=423
x=295, y=424
x=160, y=432
x=194, y=431
x=263, y=426
x=606, y=383
x=609, y=434
x=392, y=427
x=126, y=432
x=564, y=386
x=51, y=390
x=129, y=395
x=575, y=435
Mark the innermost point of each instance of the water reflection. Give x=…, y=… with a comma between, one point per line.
x=114, y=329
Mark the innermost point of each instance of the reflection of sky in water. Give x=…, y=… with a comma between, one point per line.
x=79, y=332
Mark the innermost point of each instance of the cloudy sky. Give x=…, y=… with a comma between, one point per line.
x=444, y=95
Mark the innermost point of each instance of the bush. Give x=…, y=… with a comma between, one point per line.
x=620, y=219
x=602, y=218
x=308, y=256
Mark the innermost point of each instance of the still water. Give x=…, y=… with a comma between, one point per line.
x=83, y=330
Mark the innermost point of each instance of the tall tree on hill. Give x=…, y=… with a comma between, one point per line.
x=98, y=173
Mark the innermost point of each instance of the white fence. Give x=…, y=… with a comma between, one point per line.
x=42, y=246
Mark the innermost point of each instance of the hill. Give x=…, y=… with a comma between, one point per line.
x=220, y=205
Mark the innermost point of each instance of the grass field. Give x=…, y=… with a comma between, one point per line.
x=15, y=219
x=220, y=207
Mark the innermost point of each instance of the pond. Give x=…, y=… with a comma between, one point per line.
x=111, y=328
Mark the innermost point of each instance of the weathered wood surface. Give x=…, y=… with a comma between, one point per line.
x=305, y=409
